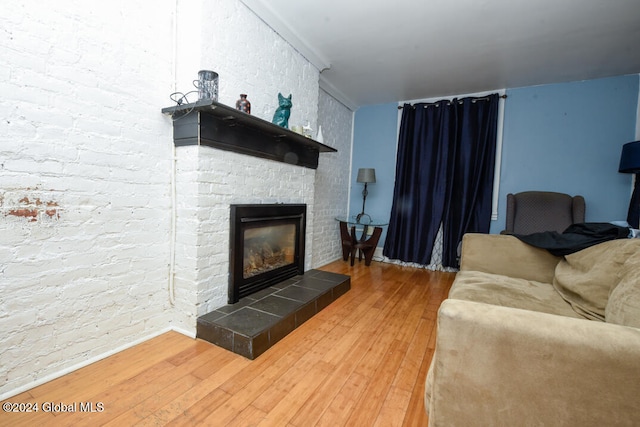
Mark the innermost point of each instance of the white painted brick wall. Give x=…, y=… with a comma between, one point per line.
x=332, y=179
x=250, y=58
x=85, y=160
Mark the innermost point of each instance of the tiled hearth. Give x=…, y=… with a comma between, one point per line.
x=256, y=322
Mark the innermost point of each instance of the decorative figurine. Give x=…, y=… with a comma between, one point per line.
x=306, y=130
x=243, y=104
x=281, y=116
x=319, y=136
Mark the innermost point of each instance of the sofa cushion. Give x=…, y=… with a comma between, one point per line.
x=586, y=278
x=506, y=291
x=507, y=255
x=623, y=307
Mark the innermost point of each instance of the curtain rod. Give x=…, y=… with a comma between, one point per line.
x=482, y=98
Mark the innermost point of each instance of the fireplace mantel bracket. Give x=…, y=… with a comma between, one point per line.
x=217, y=125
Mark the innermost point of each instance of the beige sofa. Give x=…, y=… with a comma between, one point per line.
x=529, y=339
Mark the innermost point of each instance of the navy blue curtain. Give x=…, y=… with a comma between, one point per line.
x=444, y=176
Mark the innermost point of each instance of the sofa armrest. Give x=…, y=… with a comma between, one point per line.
x=503, y=366
x=508, y=256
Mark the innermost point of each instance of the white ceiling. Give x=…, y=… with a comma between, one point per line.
x=379, y=51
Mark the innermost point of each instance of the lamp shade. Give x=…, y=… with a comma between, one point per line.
x=630, y=158
x=366, y=175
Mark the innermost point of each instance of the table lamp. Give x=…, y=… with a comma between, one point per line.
x=630, y=163
x=366, y=176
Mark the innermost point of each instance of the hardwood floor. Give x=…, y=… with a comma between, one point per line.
x=362, y=361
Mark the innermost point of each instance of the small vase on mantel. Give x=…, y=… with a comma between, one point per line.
x=243, y=104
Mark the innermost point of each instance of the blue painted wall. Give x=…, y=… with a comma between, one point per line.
x=562, y=137
x=567, y=138
x=375, y=136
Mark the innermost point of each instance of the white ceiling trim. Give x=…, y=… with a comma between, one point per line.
x=275, y=21
x=337, y=94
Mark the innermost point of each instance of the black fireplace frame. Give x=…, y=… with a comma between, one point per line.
x=247, y=216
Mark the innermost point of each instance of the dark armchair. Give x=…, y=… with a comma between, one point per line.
x=536, y=211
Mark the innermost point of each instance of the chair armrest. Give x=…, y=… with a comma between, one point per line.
x=497, y=365
x=578, y=208
x=510, y=214
x=508, y=256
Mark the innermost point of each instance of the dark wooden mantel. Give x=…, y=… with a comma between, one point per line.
x=217, y=125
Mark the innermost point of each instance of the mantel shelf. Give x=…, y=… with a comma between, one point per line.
x=220, y=126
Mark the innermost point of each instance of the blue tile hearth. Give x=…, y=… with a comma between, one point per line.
x=256, y=322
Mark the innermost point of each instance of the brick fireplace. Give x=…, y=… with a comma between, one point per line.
x=211, y=176
x=209, y=181
x=228, y=162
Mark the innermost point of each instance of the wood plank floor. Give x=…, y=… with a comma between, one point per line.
x=362, y=361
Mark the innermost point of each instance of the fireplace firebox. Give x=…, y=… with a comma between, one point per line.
x=266, y=246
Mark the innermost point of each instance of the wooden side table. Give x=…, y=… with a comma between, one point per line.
x=363, y=245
